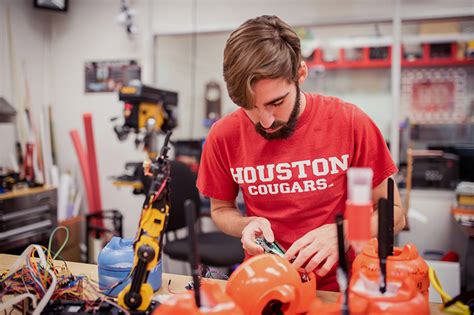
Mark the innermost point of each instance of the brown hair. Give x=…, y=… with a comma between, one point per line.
x=261, y=48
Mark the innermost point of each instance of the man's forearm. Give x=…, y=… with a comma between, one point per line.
x=229, y=220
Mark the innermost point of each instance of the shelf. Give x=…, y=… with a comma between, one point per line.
x=381, y=41
x=364, y=62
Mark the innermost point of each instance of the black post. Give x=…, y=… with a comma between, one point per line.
x=383, y=240
x=343, y=269
x=390, y=194
x=193, y=253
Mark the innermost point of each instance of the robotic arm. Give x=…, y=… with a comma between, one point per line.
x=149, y=239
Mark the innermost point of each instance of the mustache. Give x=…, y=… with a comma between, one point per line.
x=276, y=124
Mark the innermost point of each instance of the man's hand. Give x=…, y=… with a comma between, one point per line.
x=255, y=228
x=317, y=249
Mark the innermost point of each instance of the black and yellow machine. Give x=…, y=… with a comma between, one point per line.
x=147, y=112
x=147, y=246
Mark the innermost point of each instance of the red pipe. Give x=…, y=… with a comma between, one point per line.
x=81, y=156
x=93, y=170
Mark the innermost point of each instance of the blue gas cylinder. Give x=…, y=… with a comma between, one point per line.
x=116, y=261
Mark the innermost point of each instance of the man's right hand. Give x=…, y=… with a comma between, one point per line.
x=256, y=227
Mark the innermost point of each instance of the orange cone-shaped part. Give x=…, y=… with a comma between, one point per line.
x=405, y=262
x=267, y=282
x=213, y=301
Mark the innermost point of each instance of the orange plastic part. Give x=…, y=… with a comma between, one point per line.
x=267, y=279
x=213, y=301
x=358, y=217
x=408, y=300
x=405, y=262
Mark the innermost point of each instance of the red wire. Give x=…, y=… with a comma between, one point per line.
x=160, y=190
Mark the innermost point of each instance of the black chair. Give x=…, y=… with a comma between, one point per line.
x=216, y=249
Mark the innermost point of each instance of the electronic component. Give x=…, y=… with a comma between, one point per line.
x=270, y=248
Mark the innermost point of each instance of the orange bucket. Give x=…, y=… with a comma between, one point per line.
x=402, y=297
x=405, y=263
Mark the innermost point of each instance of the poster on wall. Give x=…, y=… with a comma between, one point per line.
x=434, y=96
x=110, y=75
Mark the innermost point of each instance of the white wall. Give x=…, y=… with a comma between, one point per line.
x=30, y=44
x=174, y=16
x=174, y=72
x=89, y=32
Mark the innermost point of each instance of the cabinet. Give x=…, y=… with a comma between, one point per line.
x=27, y=216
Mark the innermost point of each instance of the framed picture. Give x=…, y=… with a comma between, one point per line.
x=54, y=5
x=110, y=75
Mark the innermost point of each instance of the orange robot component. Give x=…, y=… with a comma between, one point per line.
x=213, y=301
x=267, y=284
x=405, y=262
x=402, y=297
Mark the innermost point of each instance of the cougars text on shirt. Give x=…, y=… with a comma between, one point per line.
x=290, y=177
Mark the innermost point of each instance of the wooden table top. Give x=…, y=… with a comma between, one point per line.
x=177, y=284
x=24, y=192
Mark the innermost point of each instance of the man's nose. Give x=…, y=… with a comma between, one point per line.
x=266, y=118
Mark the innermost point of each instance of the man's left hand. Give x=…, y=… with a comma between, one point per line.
x=317, y=249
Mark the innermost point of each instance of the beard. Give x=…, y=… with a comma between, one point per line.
x=286, y=128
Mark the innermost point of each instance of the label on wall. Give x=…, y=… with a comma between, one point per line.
x=110, y=75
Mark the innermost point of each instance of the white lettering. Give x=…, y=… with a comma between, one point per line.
x=309, y=185
x=322, y=183
x=262, y=189
x=284, y=188
x=324, y=165
x=253, y=190
x=296, y=187
x=283, y=168
x=250, y=175
x=237, y=175
x=261, y=172
x=301, y=165
x=335, y=162
x=273, y=191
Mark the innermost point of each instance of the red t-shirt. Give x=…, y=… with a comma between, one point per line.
x=298, y=183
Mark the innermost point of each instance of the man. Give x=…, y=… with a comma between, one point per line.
x=288, y=152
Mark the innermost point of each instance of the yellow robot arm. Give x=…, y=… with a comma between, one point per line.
x=149, y=240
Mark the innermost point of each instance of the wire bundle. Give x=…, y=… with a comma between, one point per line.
x=37, y=276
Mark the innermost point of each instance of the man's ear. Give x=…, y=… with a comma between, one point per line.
x=302, y=72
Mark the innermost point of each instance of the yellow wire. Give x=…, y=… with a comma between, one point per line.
x=456, y=308
x=62, y=245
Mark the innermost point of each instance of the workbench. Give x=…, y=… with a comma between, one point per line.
x=177, y=284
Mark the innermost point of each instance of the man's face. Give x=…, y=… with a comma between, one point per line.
x=277, y=107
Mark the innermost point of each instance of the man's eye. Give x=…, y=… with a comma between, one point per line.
x=277, y=103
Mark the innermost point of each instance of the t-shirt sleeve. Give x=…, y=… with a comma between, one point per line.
x=214, y=176
x=370, y=149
